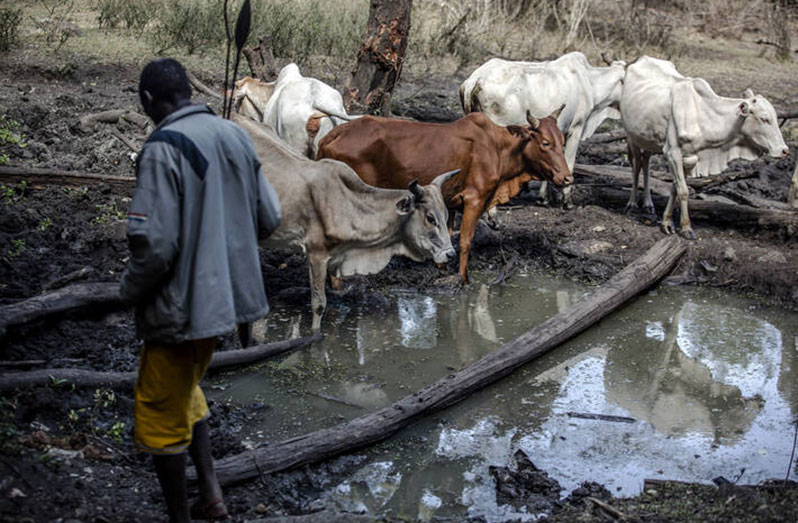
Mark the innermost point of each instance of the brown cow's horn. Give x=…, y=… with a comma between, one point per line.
x=556, y=114
x=533, y=122
x=416, y=191
x=442, y=178
x=605, y=59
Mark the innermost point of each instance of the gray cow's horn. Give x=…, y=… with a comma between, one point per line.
x=441, y=178
x=416, y=191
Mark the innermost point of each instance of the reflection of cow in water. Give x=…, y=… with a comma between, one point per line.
x=657, y=382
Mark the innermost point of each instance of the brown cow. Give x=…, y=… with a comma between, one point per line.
x=495, y=161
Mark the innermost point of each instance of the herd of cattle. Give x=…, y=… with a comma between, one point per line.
x=356, y=190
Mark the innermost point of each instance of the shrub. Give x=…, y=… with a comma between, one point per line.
x=54, y=27
x=9, y=27
x=134, y=15
x=188, y=25
x=300, y=29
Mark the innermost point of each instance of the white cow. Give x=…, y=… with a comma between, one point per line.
x=698, y=131
x=588, y=95
x=302, y=110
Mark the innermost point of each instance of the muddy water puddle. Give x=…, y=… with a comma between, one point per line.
x=710, y=382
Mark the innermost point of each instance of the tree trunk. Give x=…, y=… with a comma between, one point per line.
x=261, y=60
x=380, y=59
x=367, y=429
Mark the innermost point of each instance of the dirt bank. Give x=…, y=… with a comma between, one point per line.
x=68, y=454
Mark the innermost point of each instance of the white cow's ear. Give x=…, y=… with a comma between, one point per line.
x=406, y=205
x=748, y=93
x=743, y=109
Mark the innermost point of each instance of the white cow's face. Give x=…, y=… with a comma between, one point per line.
x=761, y=127
x=425, y=232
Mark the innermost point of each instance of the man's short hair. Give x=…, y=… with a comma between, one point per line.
x=165, y=79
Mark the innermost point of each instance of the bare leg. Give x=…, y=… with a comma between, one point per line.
x=200, y=451
x=171, y=471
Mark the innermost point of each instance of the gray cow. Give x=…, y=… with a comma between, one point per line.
x=342, y=224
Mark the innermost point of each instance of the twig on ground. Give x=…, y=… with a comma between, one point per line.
x=125, y=140
x=612, y=511
x=336, y=400
x=602, y=417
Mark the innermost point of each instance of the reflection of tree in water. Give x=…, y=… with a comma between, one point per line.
x=659, y=383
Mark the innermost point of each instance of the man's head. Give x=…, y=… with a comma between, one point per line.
x=163, y=88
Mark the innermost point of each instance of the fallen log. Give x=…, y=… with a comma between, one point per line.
x=608, y=137
x=113, y=116
x=36, y=178
x=792, y=193
x=118, y=380
x=701, y=211
x=625, y=174
x=59, y=301
x=201, y=87
x=378, y=425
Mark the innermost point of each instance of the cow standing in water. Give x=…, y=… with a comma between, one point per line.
x=343, y=225
x=698, y=131
x=506, y=91
x=495, y=161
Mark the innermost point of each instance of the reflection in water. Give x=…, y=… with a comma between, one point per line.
x=418, y=325
x=712, y=384
x=657, y=382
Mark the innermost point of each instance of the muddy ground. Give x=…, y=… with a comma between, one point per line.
x=66, y=455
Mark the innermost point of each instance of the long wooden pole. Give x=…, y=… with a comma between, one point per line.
x=367, y=429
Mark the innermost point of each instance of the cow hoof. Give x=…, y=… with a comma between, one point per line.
x=629, y=208
x=667, y=227
x=568, y=206
x=688, y=234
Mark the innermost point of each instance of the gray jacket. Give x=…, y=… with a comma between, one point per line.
x=201, y=203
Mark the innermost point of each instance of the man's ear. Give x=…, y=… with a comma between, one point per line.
x=146, y=101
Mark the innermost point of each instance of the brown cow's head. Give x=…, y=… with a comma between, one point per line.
x=424, y=231
x=543, y=149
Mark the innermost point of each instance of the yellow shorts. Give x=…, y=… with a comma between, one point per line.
x=168, y=398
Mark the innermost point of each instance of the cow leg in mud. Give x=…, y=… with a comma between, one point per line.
x=634, y=161
x=471, y=212
x=317, y=265
x=648, y=203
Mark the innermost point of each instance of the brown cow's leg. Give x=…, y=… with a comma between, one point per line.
x=471, y=212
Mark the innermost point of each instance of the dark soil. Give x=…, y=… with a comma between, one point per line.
x=67, y=454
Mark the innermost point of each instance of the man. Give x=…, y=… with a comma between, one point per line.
x=200, y=205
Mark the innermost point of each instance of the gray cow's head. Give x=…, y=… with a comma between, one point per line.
x=424, y=230
x=760, y=125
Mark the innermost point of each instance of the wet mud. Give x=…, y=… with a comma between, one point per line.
x=68, y=454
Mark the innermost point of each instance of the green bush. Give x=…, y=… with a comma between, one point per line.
x=9, y=27
x=300, y=29
x=187, y=25
x=134, y=15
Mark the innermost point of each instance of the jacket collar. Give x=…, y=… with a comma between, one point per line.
x=187, y=110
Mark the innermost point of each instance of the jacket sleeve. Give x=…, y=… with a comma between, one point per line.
x=153, y=229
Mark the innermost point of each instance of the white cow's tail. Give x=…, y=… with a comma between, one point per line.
x=469, y=97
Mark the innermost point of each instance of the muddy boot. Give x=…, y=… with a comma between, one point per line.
x=171, y=471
